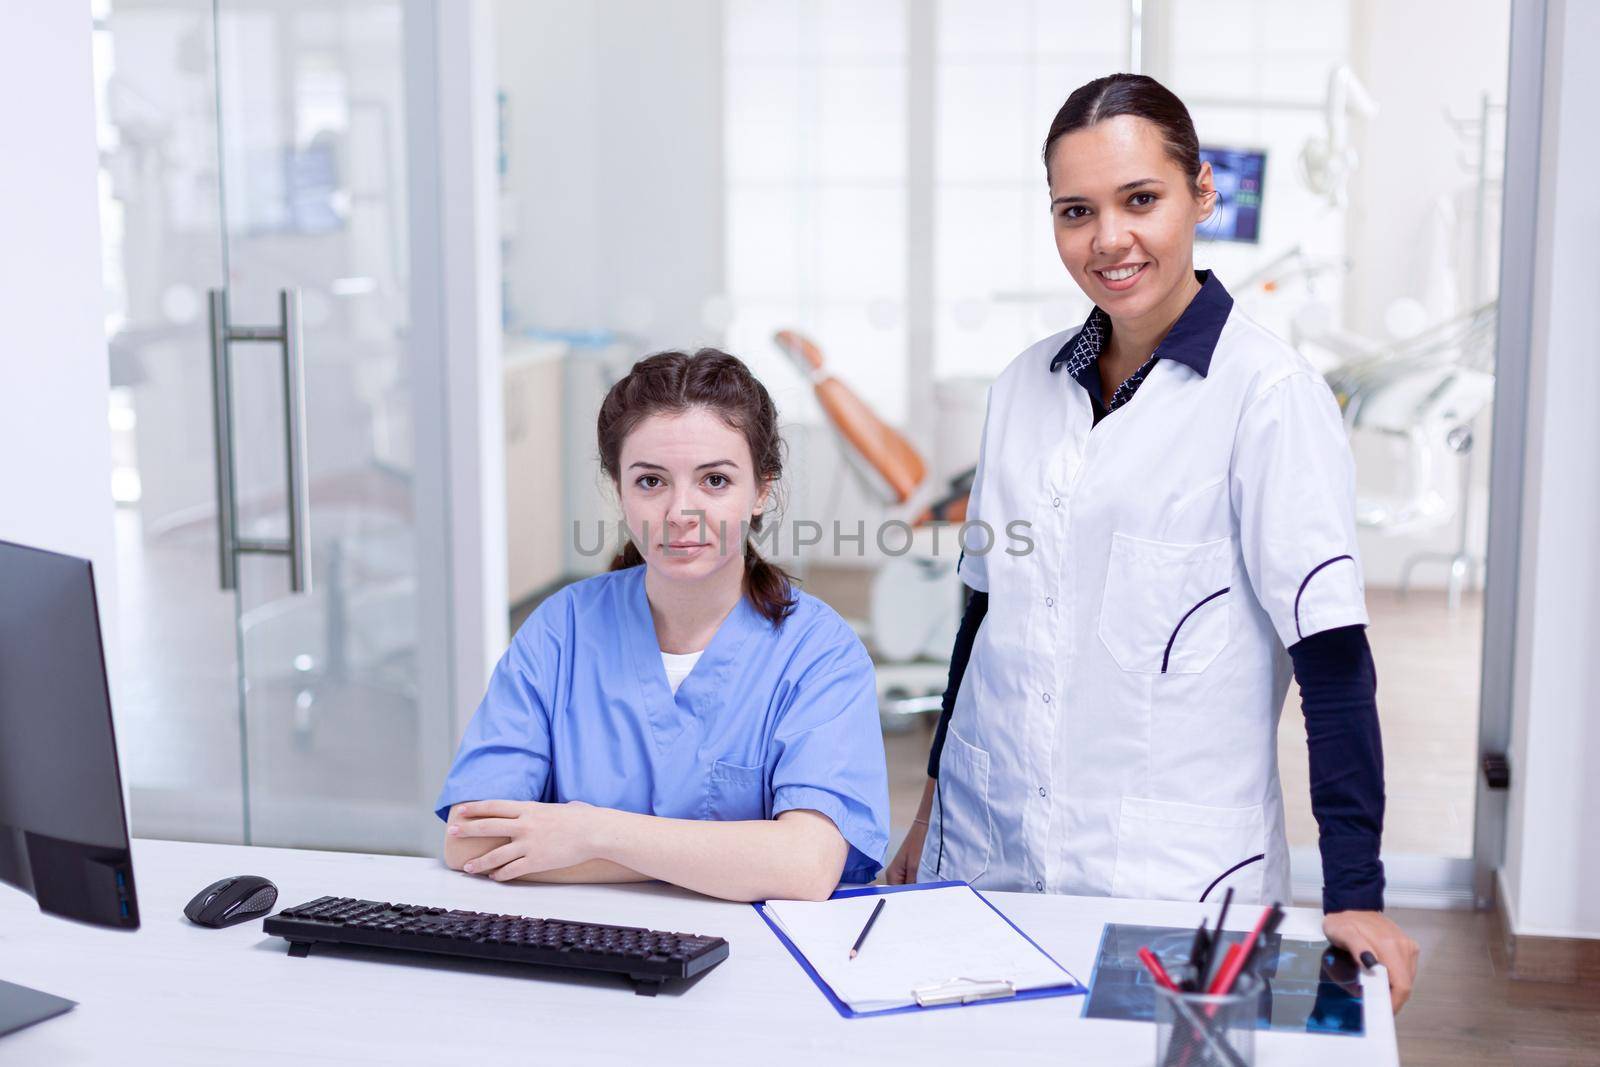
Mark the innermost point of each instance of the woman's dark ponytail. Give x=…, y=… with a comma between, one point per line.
x=628, y=557
x=769, y=587
x=674, y=382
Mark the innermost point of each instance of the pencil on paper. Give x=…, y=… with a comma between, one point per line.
x=867, y=929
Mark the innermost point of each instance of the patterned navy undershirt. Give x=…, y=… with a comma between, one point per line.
x=1082, y=362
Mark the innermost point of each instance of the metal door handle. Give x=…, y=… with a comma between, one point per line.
x=297, y=546
x=222, y=435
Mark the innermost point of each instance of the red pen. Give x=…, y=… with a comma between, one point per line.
x=1234, y=961
x=1227, y=970
x=1158, y=972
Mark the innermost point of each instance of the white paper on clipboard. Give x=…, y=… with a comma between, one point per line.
x=945, y=942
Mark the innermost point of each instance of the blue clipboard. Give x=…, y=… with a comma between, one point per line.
x=1069, y=988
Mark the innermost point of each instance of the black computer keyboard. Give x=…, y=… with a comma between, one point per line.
x=648, y=957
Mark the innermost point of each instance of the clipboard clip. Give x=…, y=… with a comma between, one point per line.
x=963, y=991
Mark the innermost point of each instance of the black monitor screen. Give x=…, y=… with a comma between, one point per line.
x=1238, y=173
x=63, y=832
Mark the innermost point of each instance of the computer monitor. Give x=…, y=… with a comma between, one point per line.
x=1238, y=173
x=63, y=830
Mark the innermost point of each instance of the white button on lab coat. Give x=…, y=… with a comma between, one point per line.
x=1116, y=728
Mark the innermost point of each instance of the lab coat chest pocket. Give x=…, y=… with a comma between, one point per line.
x=1166, y=605
x=735, y=793
x=1172, y=851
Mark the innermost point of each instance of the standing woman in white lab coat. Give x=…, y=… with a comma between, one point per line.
x=1111, y=721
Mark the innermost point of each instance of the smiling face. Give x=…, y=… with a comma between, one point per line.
x=688, y=489
x=1124, y=216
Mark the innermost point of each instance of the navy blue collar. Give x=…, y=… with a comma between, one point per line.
x=1191, y=341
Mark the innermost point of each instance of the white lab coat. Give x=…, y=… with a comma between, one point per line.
x=1116, y=728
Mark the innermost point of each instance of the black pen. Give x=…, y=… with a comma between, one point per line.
x=1196, y=959
x=1213, y=942
x=1227, y=898
x=867, y=929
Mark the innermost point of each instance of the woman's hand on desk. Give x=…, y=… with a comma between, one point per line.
x=461, y=850
x=1373, y=931
x=799, y=855
x=538, y=837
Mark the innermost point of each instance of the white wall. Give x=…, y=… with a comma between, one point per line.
x=615, y=196
x=612, y=219
x=470, y=308
x=55, y=447
x=1551, y=877
x=1419, y=60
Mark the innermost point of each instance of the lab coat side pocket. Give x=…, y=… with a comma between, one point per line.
x=957, y=846
x=735, y=793
x=1165, y=609
x=1172, y=851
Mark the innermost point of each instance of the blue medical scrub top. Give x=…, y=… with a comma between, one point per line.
x=770, y=719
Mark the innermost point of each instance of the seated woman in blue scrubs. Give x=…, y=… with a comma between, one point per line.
x=689, y=716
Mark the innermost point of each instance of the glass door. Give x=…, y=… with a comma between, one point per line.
x=177, y=686
x=313, y=127
x=300, y=641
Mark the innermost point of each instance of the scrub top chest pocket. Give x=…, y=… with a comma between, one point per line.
x=735, y=793
x=1166, y=605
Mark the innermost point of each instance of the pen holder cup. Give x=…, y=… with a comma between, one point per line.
x=1197, y=1030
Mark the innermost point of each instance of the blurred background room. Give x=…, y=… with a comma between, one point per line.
x=848, y=196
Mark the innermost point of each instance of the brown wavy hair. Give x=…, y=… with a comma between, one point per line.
x=670, y=383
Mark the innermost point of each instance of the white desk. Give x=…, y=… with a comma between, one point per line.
x=176, y=993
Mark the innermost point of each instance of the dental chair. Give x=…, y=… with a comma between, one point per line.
x=1420, y=402
x=916, y=598
x=887, y=464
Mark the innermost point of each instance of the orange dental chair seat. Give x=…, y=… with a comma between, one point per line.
x=884, y=450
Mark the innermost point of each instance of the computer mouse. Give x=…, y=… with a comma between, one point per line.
x=232, y=900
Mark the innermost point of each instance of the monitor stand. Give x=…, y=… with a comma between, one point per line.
x=21, y=1006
